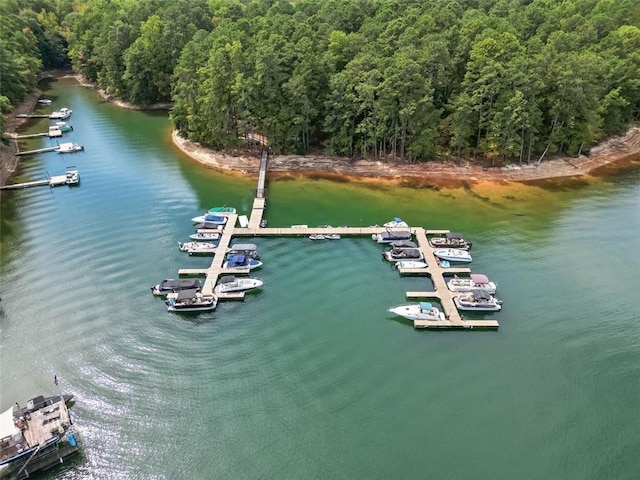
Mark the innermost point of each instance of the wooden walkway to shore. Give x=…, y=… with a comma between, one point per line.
x=434, y=269
x=54, y=181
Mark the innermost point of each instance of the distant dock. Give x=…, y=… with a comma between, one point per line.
x=37, y=151
x=55, y=181
x=435, y=271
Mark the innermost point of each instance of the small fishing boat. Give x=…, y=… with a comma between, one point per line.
x=73, y=176
x=263, y=223
x=478, y=301
x=64, y=127
x=332, y=236
x=45, y=101
x=397, y=254
x=453, y=255
x=204, y=237
x=389, y=236
x=240, y=262
x=477, y=281
x=69, y=147
x=397, y=222
x=450, y=240
x=410, y=264
x=223, y=210
x=317, y=236
x=230, y=283
x=61, y=114
x=210, y=218
x=196, y=247
x=418, y=311
x=191, y=300
x=172, y=285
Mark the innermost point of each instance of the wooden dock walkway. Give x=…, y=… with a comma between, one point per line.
x=32, y=115
x=54, y=181
x=34, y=152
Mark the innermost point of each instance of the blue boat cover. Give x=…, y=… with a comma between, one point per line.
x=397, y=219
x=425, y=306
x=213, y=218
x=236, y=260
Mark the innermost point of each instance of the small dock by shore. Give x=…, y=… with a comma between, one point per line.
x=55, y=181
x=37, y=151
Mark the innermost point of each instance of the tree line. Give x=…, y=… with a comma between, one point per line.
x=398, y=80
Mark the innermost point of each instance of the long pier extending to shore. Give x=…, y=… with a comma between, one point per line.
x=438, y=274
x=54, y=181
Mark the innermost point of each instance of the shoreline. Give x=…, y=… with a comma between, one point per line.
x=617, y=152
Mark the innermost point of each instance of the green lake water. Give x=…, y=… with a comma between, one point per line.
x=311, y=378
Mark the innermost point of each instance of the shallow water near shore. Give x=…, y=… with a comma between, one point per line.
x=311, y=377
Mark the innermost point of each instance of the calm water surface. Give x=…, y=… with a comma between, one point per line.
x=311, y=378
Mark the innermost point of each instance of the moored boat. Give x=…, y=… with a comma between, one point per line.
x=477, y=300
x=240, y=262
x=247, y=249
x=332, y=236
x=404, y=244
x=195, y=247
x=45, y=101
x=397, y=222
x=410, y=264
x=204, y=237
x=397, y=254
x=210, y=218
x=230, y=283
x=389, y=236
x=477, y=281
x=223, y=210
x=450, y=240
x=36, y=437
x=69, y=147
x=72, y=176
x=61, y=114
x=418, y=311
x=172, y=285
x=64, y=127
x=453, y=255
x=191, y=300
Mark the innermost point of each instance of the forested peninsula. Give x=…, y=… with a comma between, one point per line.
x=397, y=81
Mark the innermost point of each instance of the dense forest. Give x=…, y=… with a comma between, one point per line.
x=407, y=80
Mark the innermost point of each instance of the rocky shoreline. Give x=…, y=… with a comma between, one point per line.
x=617, y=150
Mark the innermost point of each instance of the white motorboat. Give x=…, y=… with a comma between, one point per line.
x=196, y=247
x=45, y=101
x=410, y=264
x=172, y=285
x=450, y=240
x=211, y=219
x=453, y=255
x=397, y=254
x=73, y=176
x=230, y=283
x=478, y=301
x=191, y=300
x=317, y=236
x=396, y=223
x=418, y=311
x=69, y=147
x=61, y=114
x=477, y=281
x=204, y=237
x=389, y=236
x=240, y=262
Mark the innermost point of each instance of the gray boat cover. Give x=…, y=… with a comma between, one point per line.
x=180, y=284
x=185, y=294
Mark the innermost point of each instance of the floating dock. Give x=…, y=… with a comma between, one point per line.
x=435, y=271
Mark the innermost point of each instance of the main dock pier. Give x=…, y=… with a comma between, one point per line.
x=435, y=271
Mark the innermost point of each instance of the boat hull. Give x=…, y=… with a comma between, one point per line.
x=453, y=255
x=415, y=312
x=410, y=264
x=466, y=285
x=470, y=306
x=241, y=285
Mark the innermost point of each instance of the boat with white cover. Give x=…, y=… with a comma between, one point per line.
x=397, y=222
x=477, y=281
x=389, y=236
x=172, y=285
x=478, y=301
x=191, y=300
x=195, y=247
x=410, y=264
x=69, y=147
x=453, y=255
x=210, y=218
x=397, y=254
x=230, y=283
x=418, y=311
x=240, y=262
x=204, y=237
x=450, y=240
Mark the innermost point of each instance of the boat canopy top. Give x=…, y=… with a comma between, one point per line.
x=185, y=294
x=181, y=283
x=453, y=236
x=227, y=279
x=404, y=244
x=481, y=294
x=425, y=306
x=395, y=234
x=479, y=278
x=214, y=218
x=397, y=219
x=236, y=260
x=244, y=247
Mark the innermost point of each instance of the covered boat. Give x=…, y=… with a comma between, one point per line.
x=230, y=283
x=247, y=249
x=210, y=218
x=223, y=210
x=410, y=264
x=240, y=262
x=477, y=281
x=171, y=285
x=450, y=240
x=36, y=437
x=204, y=237
x=191, y=300
x=453, y=255
x=418, y=311
x=397, y=254
x=477, y=300
x=64, y=126
x=397, y=222
x=389, y=236
x=404, y=244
